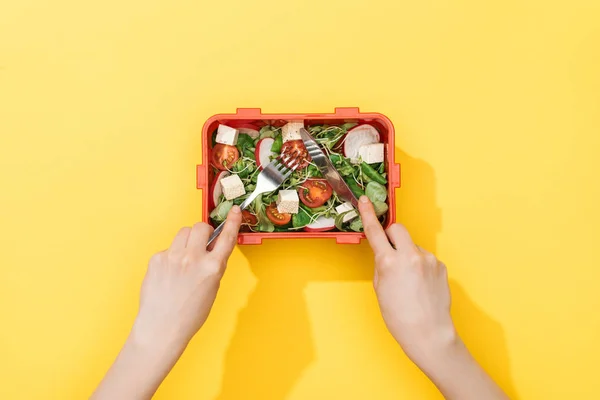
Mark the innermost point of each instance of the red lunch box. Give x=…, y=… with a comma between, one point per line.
x=255, y=119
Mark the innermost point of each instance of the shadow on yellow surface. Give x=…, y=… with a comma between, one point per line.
x=273, y=333
x=483, y=336
x=417, y=209
x=416, y=204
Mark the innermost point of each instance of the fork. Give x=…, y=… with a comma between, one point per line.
x=269, y=179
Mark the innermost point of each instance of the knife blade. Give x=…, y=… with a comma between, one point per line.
x=327, y=169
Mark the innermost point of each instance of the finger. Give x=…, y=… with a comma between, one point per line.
x=373, y=229
x=181, y=239
x=401, y=239
x=228, y=238
x=199, y=236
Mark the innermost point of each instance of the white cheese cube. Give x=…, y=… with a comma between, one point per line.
x=227, y=135
x=371, y=153
x=287, y=201
x=232, y=187
x=344, y=207
x=291, y=131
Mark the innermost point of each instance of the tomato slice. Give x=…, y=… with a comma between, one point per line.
x=296, y=149
x=315, y=192
x=276, y=217
x=223, y=156
x=248, y=220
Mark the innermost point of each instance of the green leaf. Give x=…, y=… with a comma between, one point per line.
x=354, y=187
x=277, y=144
x=220, y=212
x=269, y=198
x=249, y=153
x=313, y=171
x=348, y=125
x=336, y=158
x=242, y=168
x=339, y=220
x=301, y=219
x=356, y=225
x=380, y=208
x=316, y=210
x=346, y=170
x=264, y=224
x=244, y=141
x=376, y=192
x=264, y=129
x=265, y=133
x=239, y=200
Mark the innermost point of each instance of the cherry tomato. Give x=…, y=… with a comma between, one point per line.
x=248, y=220
x=246, y=125
x=223, y=156
x=276, y=217
x=296, y=149
x=315, y=192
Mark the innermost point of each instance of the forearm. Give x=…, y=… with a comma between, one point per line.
x=458, y=376
x=139, y=369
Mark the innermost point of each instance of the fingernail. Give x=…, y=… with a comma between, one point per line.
x=364, y=199
x=236, y=209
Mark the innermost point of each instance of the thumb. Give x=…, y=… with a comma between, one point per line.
x=228, y=238
x=373, y=229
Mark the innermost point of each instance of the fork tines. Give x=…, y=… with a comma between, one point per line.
x=287, y=164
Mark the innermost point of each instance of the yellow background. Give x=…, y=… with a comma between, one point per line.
x=497, y=112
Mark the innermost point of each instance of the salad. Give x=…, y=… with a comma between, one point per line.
x=305, y=201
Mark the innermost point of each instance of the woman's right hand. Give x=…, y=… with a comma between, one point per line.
x=412, y=289
x=414, y=297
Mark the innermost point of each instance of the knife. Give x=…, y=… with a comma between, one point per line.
x=327, y=169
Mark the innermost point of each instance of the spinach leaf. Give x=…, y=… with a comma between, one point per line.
x=342, y=164
x=264, y=224
x=357, y=190
x=348, y=125
x=315, y=129
x=244, y=141
x=380, y=208
x=316, y=210
x=269, y=198
x=356, y=225
x=376, y=192
x=301, y=219
x=242, y=168
x=249, y=153
x=220, y=212
x=265, y=132
x=277, y=144
x=339, y=220
x=313, y=171
x=336, y=159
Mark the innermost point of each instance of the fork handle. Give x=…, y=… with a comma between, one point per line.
x=243, y=206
